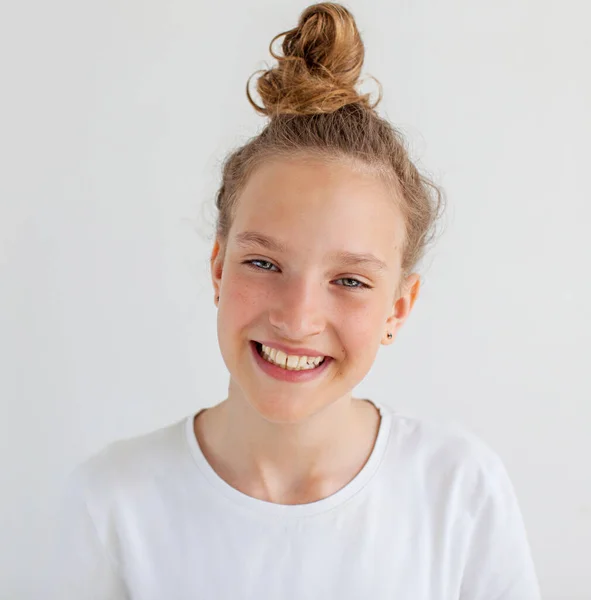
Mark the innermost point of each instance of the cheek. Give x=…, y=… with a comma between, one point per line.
x=242, y=297
x=236, y=311
x=360, y=331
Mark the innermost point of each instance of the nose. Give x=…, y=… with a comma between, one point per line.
x=297, y=310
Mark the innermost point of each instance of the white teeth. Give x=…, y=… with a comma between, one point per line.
x=280, y=358
x=289, y=362
x=292, y=362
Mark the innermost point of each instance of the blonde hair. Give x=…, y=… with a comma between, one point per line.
x=314, y=108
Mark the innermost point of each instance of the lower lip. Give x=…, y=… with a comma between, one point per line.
x=286, y=375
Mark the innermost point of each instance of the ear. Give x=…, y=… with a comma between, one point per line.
x=216, y=263
x=402, y=306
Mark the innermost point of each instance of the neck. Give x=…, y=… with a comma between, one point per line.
x=288, y=463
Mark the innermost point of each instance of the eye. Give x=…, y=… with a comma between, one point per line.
x=266, y=266
x=360, y=284
x=252, y=264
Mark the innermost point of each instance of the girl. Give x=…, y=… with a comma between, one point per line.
x=291, y=488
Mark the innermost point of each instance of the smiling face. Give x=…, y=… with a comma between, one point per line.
x=289, y=276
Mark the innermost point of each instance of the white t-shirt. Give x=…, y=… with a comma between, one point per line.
x=431, y=516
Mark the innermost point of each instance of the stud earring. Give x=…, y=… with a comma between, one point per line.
x=389, y=336
x=217, y=298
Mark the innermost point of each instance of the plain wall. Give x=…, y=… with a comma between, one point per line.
x=114, y=119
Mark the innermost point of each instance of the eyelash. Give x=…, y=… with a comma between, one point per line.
x=361, y=285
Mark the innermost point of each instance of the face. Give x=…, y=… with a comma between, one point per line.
x=288, y=276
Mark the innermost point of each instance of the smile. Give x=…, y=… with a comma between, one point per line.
x=287, y=370
x=287, y=361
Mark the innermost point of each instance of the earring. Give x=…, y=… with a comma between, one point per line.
x=217, y=298
x=389, y=336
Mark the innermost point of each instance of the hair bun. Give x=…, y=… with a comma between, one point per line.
x=320, y=66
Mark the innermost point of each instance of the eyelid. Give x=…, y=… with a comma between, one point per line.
x=249, y=263
x=362, y=284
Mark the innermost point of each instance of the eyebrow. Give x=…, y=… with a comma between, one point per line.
x=248, y=238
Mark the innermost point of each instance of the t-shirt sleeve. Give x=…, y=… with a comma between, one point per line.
x=81, y=566
x=499, y=564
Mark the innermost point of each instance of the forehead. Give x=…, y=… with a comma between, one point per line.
x=321, y=207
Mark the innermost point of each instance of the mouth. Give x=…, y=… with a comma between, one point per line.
x=309, y=365
x=282, y=372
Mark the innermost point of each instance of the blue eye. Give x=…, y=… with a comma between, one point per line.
x=264, y=262
x=253, y=264
x=359, y=286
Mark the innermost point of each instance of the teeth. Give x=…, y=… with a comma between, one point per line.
x=281, y=358
x=289, y=362
x=292, y=362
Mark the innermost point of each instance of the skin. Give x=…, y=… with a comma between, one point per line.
x=294, y=443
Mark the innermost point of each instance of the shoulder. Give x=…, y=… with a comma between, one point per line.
x=129, y=466
x=448, y=460
x=440, y=442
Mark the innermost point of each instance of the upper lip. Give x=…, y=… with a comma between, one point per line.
x=292, y=351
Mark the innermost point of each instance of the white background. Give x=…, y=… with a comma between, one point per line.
x=114, y=119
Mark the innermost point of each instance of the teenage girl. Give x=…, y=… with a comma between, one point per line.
x=290, y=488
